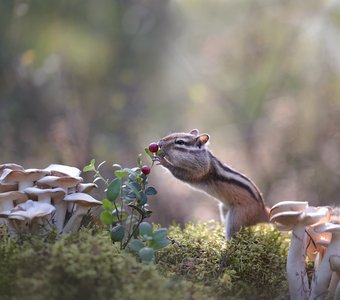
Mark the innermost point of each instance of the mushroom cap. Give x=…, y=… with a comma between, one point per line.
x=11, y=166
x=9, y=175
x=4, y=214
x=63, y=170
x=317, y=215
x=34, y=191
x=86, y=187
x=327, y=227
x=13, y=196
x=286, y=218
x=55, y=181
x=309, y=216
x=30, y=210
x=334, y=261
x=82, y=199
x=287, y=206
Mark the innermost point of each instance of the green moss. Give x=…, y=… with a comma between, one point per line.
x=81, y=266
x=87, y=266
x=253, y=263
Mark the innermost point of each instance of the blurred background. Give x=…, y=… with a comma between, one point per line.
x=102, y=79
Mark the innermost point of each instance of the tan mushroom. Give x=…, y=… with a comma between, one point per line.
x=24, y=178
x=84, y=202
x=8, y=199
x=65, y=182
x=30, y=210
x=10, y=166
x=7, y=202
x=56, y=196
x=86, y=187
x=62, y=170
x=298, y=220
x=44, y=195
x=286, y=206
x=23, y=215
x=323, y=274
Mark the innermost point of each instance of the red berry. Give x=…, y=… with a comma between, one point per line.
x=146, y=170
x=153, y=147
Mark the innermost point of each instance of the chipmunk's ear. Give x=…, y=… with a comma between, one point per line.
x=202, y=139
x=195, y=132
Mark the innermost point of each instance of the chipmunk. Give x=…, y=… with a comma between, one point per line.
x=188, y=158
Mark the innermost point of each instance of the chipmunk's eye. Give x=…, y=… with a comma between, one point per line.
x=179, y=142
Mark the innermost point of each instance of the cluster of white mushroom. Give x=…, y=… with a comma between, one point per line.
x=316, y=235
x=37, y=200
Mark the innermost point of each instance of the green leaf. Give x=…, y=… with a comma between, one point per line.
x=113, y=190
x=159, y=244
x=143, y=198
x=121, y=173
x=118, y=215
x=131, y=171
x=147, y=254
x=117, y=233
x=107, y=205
x=160, y=234
x=150, y=191
x=134, y=187
x=136, y=245
x=106, y=218
x=87, y=168
x=139, y=161
x=90, y=167
x=148, y=152
x=145, y=228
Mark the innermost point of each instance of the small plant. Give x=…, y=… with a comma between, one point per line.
x=126, y=207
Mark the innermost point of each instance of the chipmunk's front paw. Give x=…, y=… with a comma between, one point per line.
x=163, y=161
x=159, y=160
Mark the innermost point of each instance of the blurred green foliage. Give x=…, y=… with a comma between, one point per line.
x=82, y=79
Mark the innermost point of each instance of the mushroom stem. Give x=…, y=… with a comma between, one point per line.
x=296, y=268
x=74, y=223
x=60, y=214
x=22, y=185
x=44, y=199
x=322, y=276
x=333, y=283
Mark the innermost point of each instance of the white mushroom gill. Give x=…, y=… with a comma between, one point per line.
x=83, y=202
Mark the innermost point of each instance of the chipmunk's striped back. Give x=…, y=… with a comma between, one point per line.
x=188, y=158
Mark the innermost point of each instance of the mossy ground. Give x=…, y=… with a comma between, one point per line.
x=198, y=264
